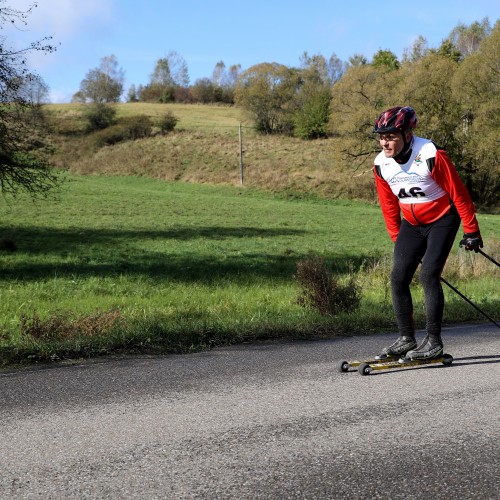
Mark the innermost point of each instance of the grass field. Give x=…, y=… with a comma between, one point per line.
x=131, y=264
x=192, y=115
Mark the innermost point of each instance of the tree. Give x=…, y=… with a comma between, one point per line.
x=34, y=90
x=132, y=94
x=267, y=90
x=103, y=84
x=231, y=78
x=328, y=72
x=203, y=91
x=357, y=99
x=22, y=163
x=315, y=68
x=224, y=82
x=468, y=38
x=336, y=68
x=161, y=83
x=233, y=75
x=417, y=51
x=161, y=74
x=170, y=73
x=311, y=119
x=385, y=59
x=312, y=99
x=357, y=60
x=178, y=69
x=426, y=84
x=365, y=91
x=476, y=86
x=457, y=100
x=448, y=49
x=218, y=81
x=218, y=74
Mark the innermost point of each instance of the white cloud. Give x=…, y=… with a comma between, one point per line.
x=66, y=18
x=65, y=21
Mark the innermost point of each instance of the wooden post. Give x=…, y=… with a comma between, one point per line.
x=241, y=154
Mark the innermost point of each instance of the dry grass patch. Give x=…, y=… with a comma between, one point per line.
x=464, y=265
x=60, y=327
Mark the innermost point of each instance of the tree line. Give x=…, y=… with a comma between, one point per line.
x=168, y=83
x=455, y=89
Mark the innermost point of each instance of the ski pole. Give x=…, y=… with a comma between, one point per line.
x=469, y=301
x=488, y=257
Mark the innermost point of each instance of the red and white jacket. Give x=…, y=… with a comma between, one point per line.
x=423, y=189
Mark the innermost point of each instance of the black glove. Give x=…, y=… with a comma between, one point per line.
x=472, y=241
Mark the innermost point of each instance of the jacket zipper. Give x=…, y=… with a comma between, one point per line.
x=414, y=216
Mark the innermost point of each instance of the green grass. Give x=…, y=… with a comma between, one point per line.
x=128, y=264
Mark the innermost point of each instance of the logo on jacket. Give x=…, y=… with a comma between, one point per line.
x=403, y=177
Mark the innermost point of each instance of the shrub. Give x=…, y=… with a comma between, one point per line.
x=111, y=135
x=320, y=290
x=137, y=127
x=203, y=91
x=99, y=116
x=311, y=120
x=129, y=128
x=167, y=122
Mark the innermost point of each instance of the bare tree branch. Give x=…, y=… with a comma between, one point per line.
x=22, y=167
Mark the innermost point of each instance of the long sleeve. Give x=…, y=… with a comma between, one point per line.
x=446, y=175
x=389, y=205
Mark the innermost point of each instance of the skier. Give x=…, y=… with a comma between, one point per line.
x=417, y=179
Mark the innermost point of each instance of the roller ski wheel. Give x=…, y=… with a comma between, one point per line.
x=364, y=369
x=447, y=359
x=343, y=366
x=367, y=368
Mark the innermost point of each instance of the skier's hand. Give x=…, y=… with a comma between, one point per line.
x=472, y=241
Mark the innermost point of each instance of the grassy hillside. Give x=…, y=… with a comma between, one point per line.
x=205, y=148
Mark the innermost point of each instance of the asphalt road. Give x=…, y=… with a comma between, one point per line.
x=268, y=420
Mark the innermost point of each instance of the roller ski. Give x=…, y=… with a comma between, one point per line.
x=403, y=353
x=367, y=368
x=392, y=353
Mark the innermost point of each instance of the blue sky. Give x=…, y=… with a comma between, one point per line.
x=204, y=32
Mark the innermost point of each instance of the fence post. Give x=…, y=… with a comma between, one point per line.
x=241, y=154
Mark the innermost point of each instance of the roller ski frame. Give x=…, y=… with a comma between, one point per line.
x=367, y=366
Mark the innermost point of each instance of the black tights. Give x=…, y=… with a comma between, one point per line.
x=430, y=245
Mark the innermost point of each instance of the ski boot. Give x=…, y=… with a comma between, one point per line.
x=430, y=348
x=398, y=349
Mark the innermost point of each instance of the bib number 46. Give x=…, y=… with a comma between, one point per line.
x=414, y=192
